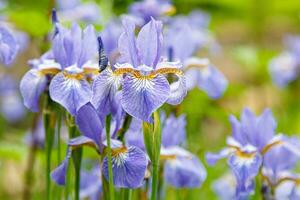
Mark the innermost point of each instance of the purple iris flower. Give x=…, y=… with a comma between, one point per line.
x=249, y=138
x=148, y=9
x=252, y=138
x=75, y=10
x=285, y=68
x=8, y=46
x=11, y=105
x=72, y=60
x=140, y=73
x=224, y=187
x=129, y=163
x=90, y=184
x=182, y=169
x=185, y=36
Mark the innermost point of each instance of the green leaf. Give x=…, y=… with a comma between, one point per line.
x=33, y=22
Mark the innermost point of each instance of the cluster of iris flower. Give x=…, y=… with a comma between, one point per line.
x=114, y=81
x=112, y=85
x=256, y=154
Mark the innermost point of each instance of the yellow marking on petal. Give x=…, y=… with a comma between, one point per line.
x=199, y=66
x=77, y=76
x=170, y=11
x=169, y=71
x=151, y=75
x=295, y=180
x=167, y=157
x=50, y=71
x=246, y=155
x=91, y=71
x=269, y=146
x=117, y=151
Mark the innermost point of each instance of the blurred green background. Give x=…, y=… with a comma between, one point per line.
x=250, y=33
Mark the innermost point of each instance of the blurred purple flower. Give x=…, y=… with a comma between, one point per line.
x=129, y=163
x=8, y=46
x=185, y=36
x=75, y=10
x=148, y=9
x=144, y=86
x=224, y=187
x=91, y=184
x=11, y=104
x=285, y=68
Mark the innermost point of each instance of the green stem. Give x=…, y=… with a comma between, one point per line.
x=58, y=130
x=77, y=157
x=109, y=159
x=49, y=125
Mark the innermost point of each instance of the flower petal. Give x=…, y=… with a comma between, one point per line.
x=8, y=46
x=213, y=82
x=105, y=87
x=89, y=123
x=212, y=158
x=89, y=49
x=173, y=132
x=245, y=167
x=129, y=168
x=70, y=92
x=184, y=172
x=149, y=42
x=142, y=96
x=127, y=43
x=178, y=91
x=32, y=86
x=58, y=175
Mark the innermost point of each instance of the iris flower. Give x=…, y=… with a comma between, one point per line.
x=8, y=46
x=72, y=60
x=285, y=67
x=90, y=184
x=251, y=139
x=129, y=163
x=147, y=9
x=182, y=169
x=75, y=10
x=185, y=36
x=11, y=105
x=141, y=73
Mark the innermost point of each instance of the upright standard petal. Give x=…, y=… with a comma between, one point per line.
x=105, y=87
x=71, y=92
x=127, y=44
x=89, y=123
x=129, y=167
x=89, y=49
x=173, y=132
x=149, y=43
x=32, y=86
x=184, y=172
x=141, y=96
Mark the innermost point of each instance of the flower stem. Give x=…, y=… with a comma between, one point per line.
x=109, y=159
x=152, y=138
x=77, y=157
x=49, y=125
